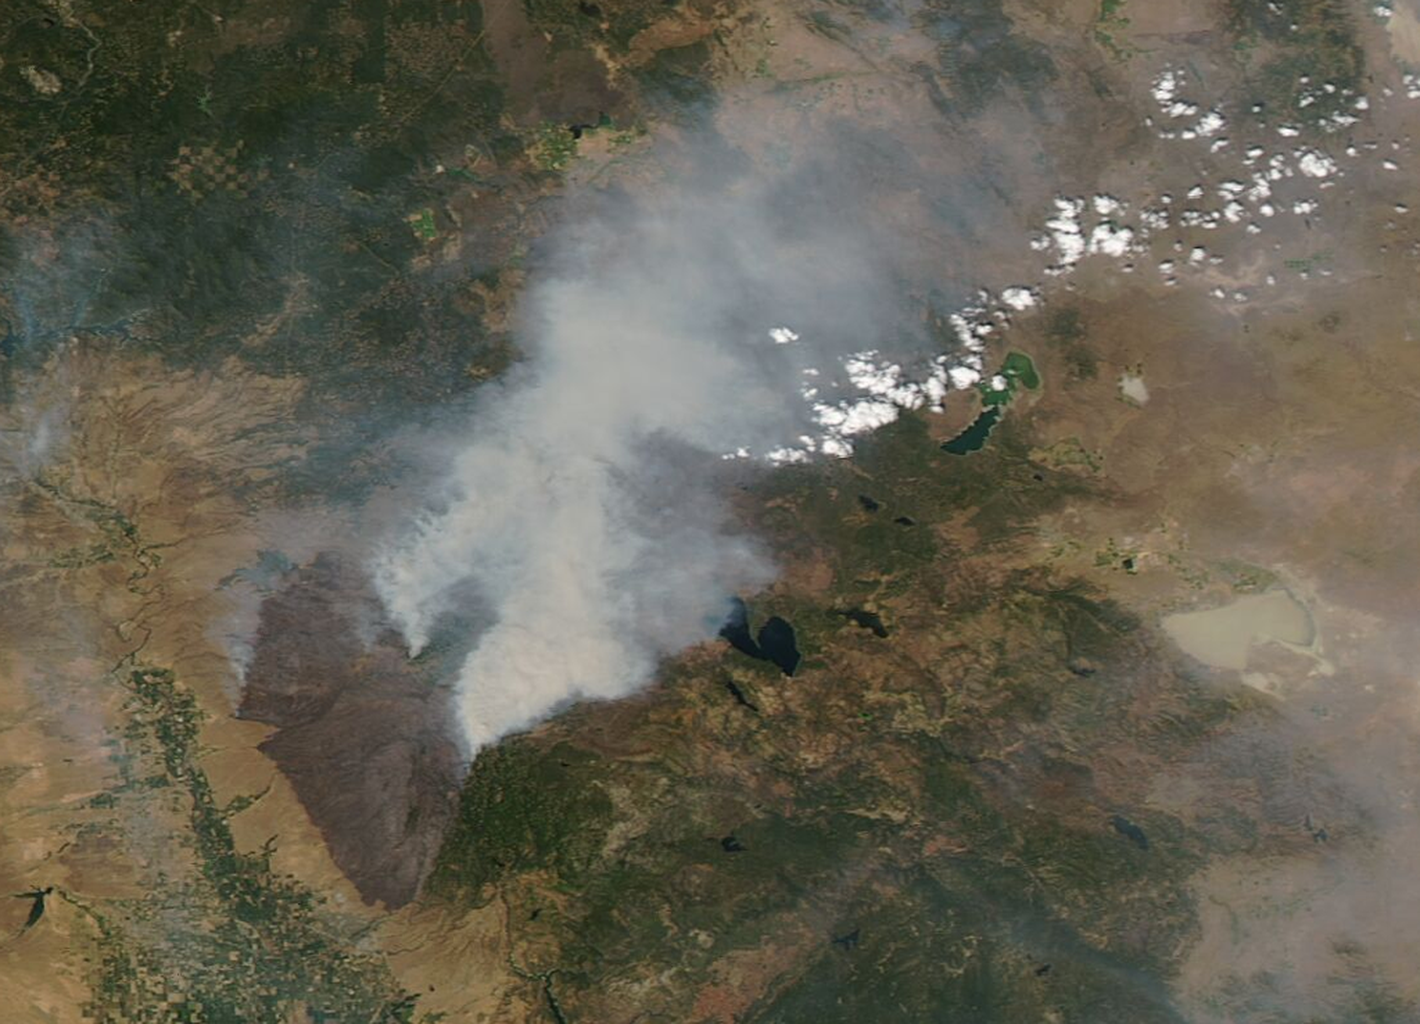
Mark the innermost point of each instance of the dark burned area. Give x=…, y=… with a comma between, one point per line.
x=364, y=734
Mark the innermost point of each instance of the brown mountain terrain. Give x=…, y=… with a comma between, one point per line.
x=1110, y=718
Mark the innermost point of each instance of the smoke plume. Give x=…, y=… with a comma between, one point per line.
x=578, y=536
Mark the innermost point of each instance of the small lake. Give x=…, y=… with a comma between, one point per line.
x=776, y=642
x=973, y=438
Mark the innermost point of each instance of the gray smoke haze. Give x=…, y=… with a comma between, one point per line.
x=1320, y=928
x=34, y=426
x=572, y=514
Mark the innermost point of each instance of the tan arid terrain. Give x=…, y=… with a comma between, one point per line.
x=1025, y=770
x=114, y=555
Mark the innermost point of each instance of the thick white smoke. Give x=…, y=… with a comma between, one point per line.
x=572, y=519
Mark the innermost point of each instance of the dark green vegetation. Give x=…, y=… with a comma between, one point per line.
x=1065, y=330
x=234, y=179
x=234, y=943
x=980, y=54
x=329, y=190
x=121, y=537
x=209, y=180
x=521, y=813
x=1303, y=45
x=915, y=827
x=1111, y=21
x=677, y=78
x=577, y=23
